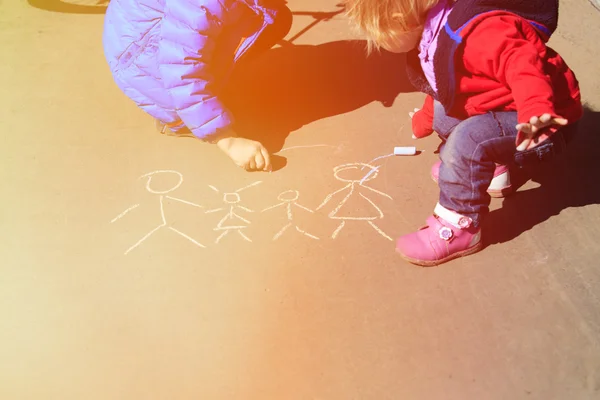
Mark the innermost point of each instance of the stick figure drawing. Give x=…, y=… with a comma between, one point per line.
x=288, y=199
x=232, y=221
x=162, y=195
x=369, y=211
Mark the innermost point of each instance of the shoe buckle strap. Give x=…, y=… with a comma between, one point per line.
x=459, y=221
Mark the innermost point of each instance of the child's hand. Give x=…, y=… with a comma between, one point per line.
x=246, y=153
x=421, y=123
x=529, y=133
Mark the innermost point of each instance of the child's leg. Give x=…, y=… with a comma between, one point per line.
x=469, y=158
x=444, y=125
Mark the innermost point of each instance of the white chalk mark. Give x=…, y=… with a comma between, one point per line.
x=329, y=196
x=232, y=199
x=272, y=207
x=230, y=216
x=161, y=199
x=377, y=158
x=150, y=175
x=289, y=201
x=338, y=229
x=380, y=231
x=371, y=172
x=124, y=212
x=162, y=211
x=333, y=213
x=378, y=192
x=304, y=208
x=248, y=186
x=304, y=147
x=243, y=219
x=187, y=237
x=307, y=234
x=221, y=235
x=244, y=236
x=373, y=204
x=353, y=187
x=278, y=234
x=184, y=201
x=142, y=239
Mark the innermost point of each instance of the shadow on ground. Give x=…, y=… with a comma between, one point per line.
x=293, y=85
x=570, y=181
x=92, y=7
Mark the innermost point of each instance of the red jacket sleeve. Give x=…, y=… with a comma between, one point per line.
x=509, y=50
x=422, y=121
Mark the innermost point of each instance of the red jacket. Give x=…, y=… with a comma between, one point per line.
x=503, y=64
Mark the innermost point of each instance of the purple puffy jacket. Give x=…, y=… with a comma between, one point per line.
x=172, y=56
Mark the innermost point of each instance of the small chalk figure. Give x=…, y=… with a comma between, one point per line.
x=405, y=151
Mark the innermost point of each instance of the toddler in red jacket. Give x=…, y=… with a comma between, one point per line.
x=497, y=96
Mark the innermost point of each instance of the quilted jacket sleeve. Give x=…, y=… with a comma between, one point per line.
x=189, y=32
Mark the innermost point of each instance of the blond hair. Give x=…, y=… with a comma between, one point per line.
x=382, y=20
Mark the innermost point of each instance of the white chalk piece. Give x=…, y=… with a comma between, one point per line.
x=405, y=151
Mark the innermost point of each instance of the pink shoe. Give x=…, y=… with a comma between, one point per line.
x=499, y=187
x=446, y=236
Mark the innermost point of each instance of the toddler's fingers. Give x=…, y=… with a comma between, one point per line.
x=545, y=118
x=524, y=127
x=524, y=144
x=251, y=165
x=259, y=161
x=560, y=121
x=265, y=154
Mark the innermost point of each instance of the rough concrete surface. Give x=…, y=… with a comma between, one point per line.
x=295, y=318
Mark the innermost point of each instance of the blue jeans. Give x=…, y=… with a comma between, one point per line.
x=471, y=149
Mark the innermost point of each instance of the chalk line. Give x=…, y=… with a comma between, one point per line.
x=244, y=236
x=304, y=147
x=378, y=158
x=248, y=186
x=371, y=172
x=338, y=229
x=272, y=207
x=278, y=234
x=380, y=231
x=307, y=234
x=184, y=201
x=124, y=212
x=377, y=191
x=187, y=237
x=304, y=208
x=373, y=204
x=330, y=196
x=142, y=239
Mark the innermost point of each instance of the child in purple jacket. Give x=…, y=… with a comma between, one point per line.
x=173, y=58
